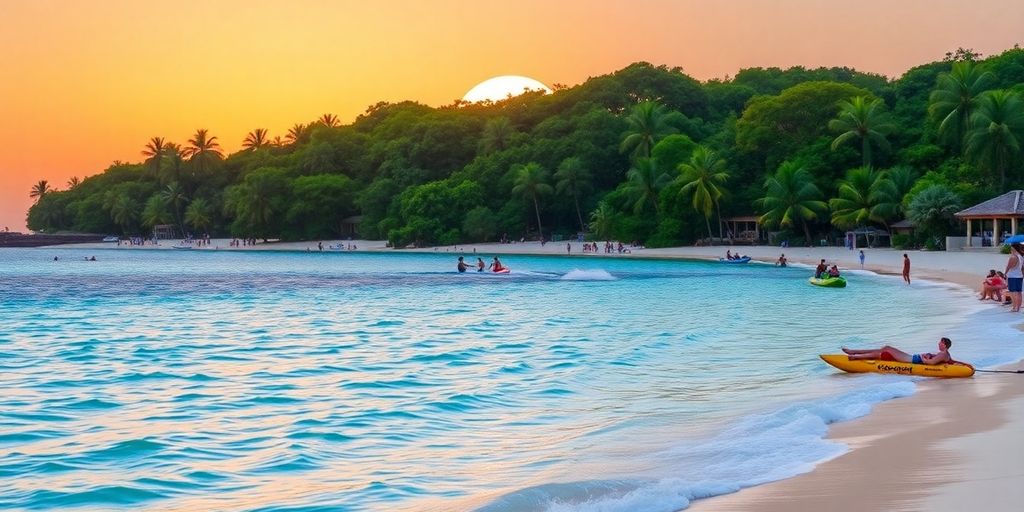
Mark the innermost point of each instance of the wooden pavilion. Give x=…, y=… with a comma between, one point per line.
x=997, y=213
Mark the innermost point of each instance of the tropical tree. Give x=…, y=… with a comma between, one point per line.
x=933, y=208
x=154, y=153
x=602, y=220
x=497, y=135
x=997, y=134
x=73, y=182
x=648, y=122
x=791, y=197
x=955, y=99
x=531, y=182
x=255, y=139
x=644, y=182
x=329, y=120
x=125, y=212
x=296, y=133
x=863, y=119
x=175, y=197
x=573, y=180
x=203, y=150
x=199, y=215
x=703, y=179
x=865, y=195
x=175, y=158
x=156, y=211
x=40, y=189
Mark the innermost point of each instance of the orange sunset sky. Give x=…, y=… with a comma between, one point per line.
x=83, y=83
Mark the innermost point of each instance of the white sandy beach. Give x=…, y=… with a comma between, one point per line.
x=955, y=445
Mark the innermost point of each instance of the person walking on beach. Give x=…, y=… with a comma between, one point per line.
x=906, y=268
x=1015, y=275
x=861, y=259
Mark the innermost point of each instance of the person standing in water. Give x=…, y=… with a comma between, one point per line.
x=906, y=268
x=480, y=265
x=862, y=258
x=462, y=266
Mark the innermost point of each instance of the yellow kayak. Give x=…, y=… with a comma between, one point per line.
x=844, y=363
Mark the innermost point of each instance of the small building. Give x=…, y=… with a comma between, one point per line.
x=163, y=231
x=994, y=219
x=903, y=227
x=742, y=229
x=350, y=226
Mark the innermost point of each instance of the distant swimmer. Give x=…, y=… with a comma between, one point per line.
x=782, y=261
x=890, y=353
x=480, y=265
x=496, y=265
x=462, y=266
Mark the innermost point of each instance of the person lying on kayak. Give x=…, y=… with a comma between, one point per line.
x=890, y=353
x=496, y=265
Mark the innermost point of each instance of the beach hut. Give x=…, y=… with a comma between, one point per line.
x=743, y=229
x=903, y=227
x=994, y=217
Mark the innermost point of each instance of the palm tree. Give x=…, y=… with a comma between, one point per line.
x=124, y=212
x=40, y=189
x=329, y=120
x=864, y=120
x=175, y=159
x=644, y=183
x=648, y=123
x=903, y=179
x=531, y=182
x=73, y=182
x=932, y=209
x=155, y=211
x=255, y=139
x=203, y=150
x=703, y=178
x=790, y=197
x=497, y=134
x=175, y=197
x=154, y=151
x=602, y=220
x=865, y=195
x=955, y=98
x=998, y=131
x=574, y=181
x=198, y=215
x=276, y=141
x=296, y=133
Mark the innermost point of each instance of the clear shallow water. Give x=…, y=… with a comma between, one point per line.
x=166, y=380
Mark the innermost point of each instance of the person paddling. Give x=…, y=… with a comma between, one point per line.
x=890, y=353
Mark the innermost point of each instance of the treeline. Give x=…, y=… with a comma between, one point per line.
x=646, y=153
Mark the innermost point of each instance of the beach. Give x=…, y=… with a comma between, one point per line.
x=950, y=446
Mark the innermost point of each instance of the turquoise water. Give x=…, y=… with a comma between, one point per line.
x=173, y=380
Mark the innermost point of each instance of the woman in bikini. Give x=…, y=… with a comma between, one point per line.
x=890, y=353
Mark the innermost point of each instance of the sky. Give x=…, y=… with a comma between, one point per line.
x=87, y=82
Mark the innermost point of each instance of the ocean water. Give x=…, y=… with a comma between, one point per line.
x=186, y=380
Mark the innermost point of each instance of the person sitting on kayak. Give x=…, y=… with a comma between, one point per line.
x=890, y=353
x=496, y=265
x=728, y=255
x=834, y=271
x=480, y=266
x=821, y=269
x=462, y=266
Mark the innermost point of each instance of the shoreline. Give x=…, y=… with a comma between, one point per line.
x=935, y=450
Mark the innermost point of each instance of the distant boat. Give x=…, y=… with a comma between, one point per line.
x=111, y=239
x=745, y=259
x=182, y=246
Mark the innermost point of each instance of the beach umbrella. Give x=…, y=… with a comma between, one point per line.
x=1015, y=239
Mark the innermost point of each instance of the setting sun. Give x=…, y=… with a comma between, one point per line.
x=501, y=87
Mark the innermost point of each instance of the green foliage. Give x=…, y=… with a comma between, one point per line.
x=932, y=210
x=791, y=198
x=865, y=196
x=703, y=179
x=994, y=141
x=863, y=119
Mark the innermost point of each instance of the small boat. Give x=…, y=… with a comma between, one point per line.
x=745, y=259
x=502, y=271
x=828, y=282
x=843, y=362
x=111, y=239
x=182, y=246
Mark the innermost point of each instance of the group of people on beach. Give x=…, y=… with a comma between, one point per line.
x=1009, y=281
x=495, y=265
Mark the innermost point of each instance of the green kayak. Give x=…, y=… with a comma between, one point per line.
x=829, y=282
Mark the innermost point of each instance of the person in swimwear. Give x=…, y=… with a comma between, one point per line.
x=480, y=265
x=890, y=353
x=496, y=265
x=462, y=266
x=822, y=268
x=834, y=271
